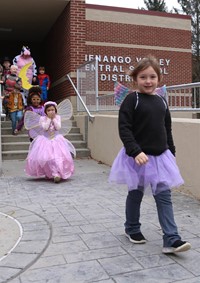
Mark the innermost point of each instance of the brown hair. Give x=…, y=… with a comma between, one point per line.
x=49, y=105
x=143, y=64
x=42, y=68
x=35, y=90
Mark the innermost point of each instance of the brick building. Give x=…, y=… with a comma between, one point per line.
x=119, y=37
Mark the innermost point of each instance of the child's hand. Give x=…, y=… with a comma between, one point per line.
x=51, y=115
x=141, y=158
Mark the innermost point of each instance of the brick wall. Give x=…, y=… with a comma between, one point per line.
x=65, y=46
x=84, y=29
x=116, y=37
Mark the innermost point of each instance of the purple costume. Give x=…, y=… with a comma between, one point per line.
x=39, y=110
x=145, y=126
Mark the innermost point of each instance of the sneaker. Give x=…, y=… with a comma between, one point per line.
x=178, y=246
x=56, y=179
x=137, y=238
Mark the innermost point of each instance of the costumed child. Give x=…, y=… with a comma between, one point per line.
x=1, y=74
x=147, y=160
x=6, y=67
x=50, y=154
x=27, y=70
x=10, y=81
x=44, y=83
x=15, y=106
x=34, y=103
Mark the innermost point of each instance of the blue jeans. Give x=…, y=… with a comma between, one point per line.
x=165, y=215
x=15, y=118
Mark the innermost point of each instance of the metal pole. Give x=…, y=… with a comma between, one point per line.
x=91, y=117
x=96, y=83
x=2, y=115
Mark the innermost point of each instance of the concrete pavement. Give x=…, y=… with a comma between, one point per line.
x=73, y=231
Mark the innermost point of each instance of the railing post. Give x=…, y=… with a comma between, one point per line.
x=2, y=115
x=96, y=82
x=91, y=117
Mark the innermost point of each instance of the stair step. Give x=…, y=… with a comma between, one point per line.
x=24, y=137
x=8, y=146
x=8, y=130
x=22, y=154
x=20, y=143
x=7, y=124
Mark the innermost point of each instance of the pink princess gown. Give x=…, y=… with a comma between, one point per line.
x=50, y=154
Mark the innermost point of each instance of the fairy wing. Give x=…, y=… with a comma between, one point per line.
x=66, y=127
x=121, y=91
x=162, y=91
x=65, y=110
x=31, y=123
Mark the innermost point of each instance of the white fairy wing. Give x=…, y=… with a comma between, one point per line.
x=71, y=148
x=31, y=123
x=65, y=110
x=31, y=120
x=66, y=126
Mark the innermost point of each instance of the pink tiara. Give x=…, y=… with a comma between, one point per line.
x=50, y=103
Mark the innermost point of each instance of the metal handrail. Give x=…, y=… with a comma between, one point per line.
x=91, y=117
x=2, y=115
x=183, y=86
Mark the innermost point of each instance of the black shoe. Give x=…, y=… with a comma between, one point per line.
x=137, y=238
x=178, y=246
x=56, y=179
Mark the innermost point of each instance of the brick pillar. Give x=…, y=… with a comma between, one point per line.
x=65, y=48
x=77, y=33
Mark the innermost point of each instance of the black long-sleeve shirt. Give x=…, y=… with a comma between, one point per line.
x=145, y=125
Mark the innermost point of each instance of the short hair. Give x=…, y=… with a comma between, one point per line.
x=49, y=104
x=143, y=64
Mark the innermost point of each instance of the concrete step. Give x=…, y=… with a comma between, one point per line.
x=25, y=138
x=7, y=124
x=16, y=147
x=8, y=130
x=9, y=146
x=22, y=154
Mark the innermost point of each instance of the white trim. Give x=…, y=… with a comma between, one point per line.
x=19, y=238
x=123, y=45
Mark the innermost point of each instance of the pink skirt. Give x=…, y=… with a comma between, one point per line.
x=50, y=158
x=161, y=170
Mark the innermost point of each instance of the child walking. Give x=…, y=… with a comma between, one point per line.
x=34, y=103
x=147, y=160
x=11, y=81
x=15, y=106
x=44, y=83
x=50, y=153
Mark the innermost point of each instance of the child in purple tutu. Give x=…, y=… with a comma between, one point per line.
x=147, y=160
x=50, y=154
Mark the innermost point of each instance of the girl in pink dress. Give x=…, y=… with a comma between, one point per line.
x=50, y=154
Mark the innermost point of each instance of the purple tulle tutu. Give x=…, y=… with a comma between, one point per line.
x=161, y=170
x=50, y=158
